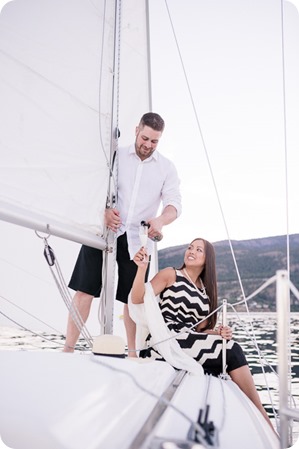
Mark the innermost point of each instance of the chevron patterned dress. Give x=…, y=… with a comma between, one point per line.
x=182, y=307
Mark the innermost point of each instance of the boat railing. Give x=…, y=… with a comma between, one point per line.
x=287, y=414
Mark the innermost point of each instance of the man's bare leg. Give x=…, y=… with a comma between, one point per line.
x=82, y=302
x=130, y=327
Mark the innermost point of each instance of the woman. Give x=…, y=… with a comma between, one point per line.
x=187, y=297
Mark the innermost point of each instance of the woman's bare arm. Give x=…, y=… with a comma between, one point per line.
x=160, y=281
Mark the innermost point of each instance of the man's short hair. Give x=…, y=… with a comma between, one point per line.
x=152, y=120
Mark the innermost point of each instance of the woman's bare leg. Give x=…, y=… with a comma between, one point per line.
x=130, y=327
x=243, y=378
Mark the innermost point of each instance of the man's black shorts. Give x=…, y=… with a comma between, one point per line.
x=87, y=274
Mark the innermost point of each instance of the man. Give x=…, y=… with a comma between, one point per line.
x=145, y=179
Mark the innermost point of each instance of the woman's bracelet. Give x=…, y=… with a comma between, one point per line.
x=219, y=330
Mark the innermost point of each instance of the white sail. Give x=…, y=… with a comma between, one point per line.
x=59, y=89
x=135, y=77
x=56, y=85
x=65, y=82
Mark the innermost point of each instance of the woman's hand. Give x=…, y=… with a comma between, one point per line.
x=138, y=289
x=225, y=332
x=141, y=258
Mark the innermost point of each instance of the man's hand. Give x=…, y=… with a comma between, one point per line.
x=155, y=229
x=168, y=215
x=112, y=219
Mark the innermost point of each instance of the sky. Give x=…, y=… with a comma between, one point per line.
x=224, y=130
x=240, y=115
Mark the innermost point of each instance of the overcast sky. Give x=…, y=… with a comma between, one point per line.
x=236, y=85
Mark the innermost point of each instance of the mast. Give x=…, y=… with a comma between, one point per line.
x=132, y=97
x=109, y=256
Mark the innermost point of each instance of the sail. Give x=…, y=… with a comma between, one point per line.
x=71, y=72
x=135, y=69
x=56, y=87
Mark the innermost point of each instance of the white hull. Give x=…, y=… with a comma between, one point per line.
x=54, y=400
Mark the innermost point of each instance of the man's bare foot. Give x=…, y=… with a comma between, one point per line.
x=132, y=353
x=68, y=348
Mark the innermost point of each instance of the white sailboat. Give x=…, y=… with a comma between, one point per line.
x=73, y=73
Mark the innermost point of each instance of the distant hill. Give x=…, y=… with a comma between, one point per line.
x=257, y=261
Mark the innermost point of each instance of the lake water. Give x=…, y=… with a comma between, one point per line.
x=263, y=326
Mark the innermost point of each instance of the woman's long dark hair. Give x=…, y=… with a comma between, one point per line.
x=209, y=279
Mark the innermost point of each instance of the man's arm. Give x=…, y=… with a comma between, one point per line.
x=168, y=215
x=171, y=200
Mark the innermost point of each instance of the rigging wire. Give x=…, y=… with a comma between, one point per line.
x=29, y=314
x=63, y=289
x=36, y=334
x=204, y=145
x=285, y=132
x=286, y=177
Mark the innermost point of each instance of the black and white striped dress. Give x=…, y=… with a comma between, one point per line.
x=182, y=307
